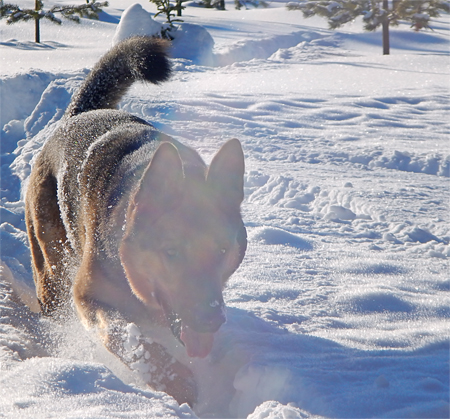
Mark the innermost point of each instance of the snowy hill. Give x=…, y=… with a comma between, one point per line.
x=341, y=306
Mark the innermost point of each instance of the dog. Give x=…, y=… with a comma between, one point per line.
x=132, y=228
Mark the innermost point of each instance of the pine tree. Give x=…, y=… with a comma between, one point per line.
x=165, y=7
x=13, y=13
x=210, y=4
x=238, y=4
x=375, y=13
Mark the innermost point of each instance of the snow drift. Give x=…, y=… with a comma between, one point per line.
x=340, y=308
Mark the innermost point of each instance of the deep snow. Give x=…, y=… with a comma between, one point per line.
x=341, y=307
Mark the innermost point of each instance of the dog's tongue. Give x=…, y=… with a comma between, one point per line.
x=198, y=345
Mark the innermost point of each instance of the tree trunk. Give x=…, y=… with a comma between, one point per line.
x=37, y=29
x=178, y=7
x=385, y=26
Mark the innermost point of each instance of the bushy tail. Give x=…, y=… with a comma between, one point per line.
x=139, y=58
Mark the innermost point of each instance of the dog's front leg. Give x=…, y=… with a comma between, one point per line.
x=140, y=353
x=149, y=359
x=105, y=303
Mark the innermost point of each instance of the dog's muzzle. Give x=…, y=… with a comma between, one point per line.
x=208, y=318
x=196, y=332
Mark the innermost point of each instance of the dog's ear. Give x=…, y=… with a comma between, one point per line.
x=226, y=173
x=162, y=182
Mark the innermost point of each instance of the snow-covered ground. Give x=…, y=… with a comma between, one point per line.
x=341, y=307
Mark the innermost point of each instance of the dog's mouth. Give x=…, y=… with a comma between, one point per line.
x=197, y=344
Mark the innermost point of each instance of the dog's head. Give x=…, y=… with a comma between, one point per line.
x=184, y=237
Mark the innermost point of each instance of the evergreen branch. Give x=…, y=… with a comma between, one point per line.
x=74, y=13
x=13, y=13
x=166, y=8
x=340, y=12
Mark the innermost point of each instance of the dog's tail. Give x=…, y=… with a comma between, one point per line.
x=139, y=58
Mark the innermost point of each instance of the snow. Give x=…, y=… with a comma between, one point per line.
x=341, y=306
x=136, y=21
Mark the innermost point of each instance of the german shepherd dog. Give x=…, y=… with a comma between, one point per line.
x=151, y=233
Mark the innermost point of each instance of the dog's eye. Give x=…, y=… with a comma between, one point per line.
x=172, y=253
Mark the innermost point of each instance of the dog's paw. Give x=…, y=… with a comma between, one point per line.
x=180, y=383
x=157, y=367
x=165, y=373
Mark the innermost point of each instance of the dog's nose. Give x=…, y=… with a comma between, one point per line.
x=209, y=317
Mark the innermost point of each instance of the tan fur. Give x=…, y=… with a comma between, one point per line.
x=151, y=233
